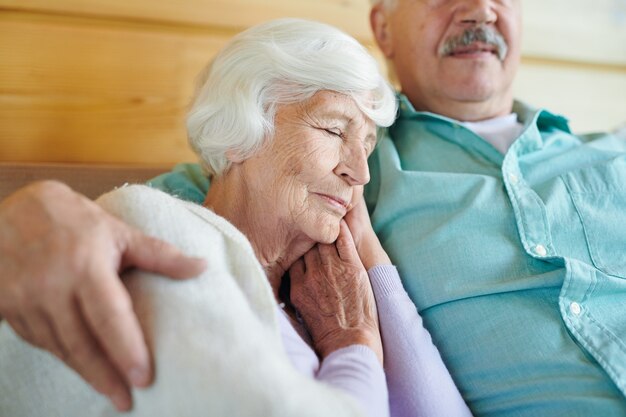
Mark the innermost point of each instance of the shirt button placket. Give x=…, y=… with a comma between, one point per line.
x=540, y=250
x=575, y=308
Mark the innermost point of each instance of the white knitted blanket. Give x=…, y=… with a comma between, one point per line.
x=215, y=338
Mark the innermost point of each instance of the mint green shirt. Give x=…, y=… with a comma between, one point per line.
x=516, y=262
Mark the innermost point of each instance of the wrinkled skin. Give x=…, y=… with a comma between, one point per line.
x=318, y=159
x=331, y=290
x=60, y=288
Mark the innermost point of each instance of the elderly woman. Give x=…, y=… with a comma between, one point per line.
x=285, y=320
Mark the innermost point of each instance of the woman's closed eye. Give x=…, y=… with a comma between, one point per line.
x=333, y=131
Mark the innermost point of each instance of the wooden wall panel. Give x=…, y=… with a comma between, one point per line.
x=576, y=30
x=350, y=15
x=75, y=90
x=109, y=81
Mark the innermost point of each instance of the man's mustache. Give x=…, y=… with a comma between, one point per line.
x=484, y=34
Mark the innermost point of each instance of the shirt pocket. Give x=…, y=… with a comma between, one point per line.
x=599, y=195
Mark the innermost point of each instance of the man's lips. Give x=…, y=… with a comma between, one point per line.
x=473, y=49
x=334, y=200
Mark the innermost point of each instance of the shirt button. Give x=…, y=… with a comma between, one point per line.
x=513, y=178
x=575, y=308
x=541, y=250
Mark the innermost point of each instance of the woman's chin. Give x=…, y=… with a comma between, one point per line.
x=326, y=233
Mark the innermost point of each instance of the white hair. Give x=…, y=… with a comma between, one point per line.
x=279, y=62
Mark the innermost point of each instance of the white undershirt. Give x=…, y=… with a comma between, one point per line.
x=500, y=131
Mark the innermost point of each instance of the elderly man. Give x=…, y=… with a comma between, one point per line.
x=507, y=229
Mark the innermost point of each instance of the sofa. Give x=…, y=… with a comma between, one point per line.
x=90, y=180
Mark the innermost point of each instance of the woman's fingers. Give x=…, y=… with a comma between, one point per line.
x=358, y=219
x=297, y=270
x=312, y=259
x=345, y=244
x=297, y=276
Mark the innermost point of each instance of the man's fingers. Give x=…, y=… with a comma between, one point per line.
x=155, y=255
x=20, y=327
x=74, y=346
x=84, y=355
x=345, y=244
x=115, y=326
x=41, y=332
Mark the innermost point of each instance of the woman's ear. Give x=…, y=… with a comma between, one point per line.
x=234, y=157
x=381, y=29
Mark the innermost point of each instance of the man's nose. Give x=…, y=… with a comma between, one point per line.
x=476, y=12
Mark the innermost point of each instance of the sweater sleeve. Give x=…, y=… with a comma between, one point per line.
x=418, y=381
x=354, y=370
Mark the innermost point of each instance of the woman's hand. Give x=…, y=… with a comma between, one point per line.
x=367, y=244
x=331, y=290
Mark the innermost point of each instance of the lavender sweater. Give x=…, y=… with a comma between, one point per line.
x=417, y=381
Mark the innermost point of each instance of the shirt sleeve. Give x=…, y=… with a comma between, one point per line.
x=185, y=181
x=418, y=381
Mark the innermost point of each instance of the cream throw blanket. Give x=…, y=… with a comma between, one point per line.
x=215, y=339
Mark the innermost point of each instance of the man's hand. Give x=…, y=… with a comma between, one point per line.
x=60, y=260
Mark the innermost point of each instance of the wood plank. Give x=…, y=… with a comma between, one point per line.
x=98, y=90
x=350, y=15
x=570, y=30
x=78, y=91
x=84, y=90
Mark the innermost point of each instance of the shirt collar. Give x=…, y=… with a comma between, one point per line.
x=526, y=114
x=544, y=119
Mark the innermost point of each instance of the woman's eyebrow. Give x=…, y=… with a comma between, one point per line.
x=338, y=115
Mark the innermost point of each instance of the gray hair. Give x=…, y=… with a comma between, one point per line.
x=482, y=33
x=279, y=62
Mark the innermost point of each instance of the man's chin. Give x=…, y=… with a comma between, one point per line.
x=472, y=89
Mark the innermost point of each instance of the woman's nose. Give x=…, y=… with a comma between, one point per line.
x=353, y=168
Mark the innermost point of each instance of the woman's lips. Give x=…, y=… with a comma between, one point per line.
x=334, y=201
